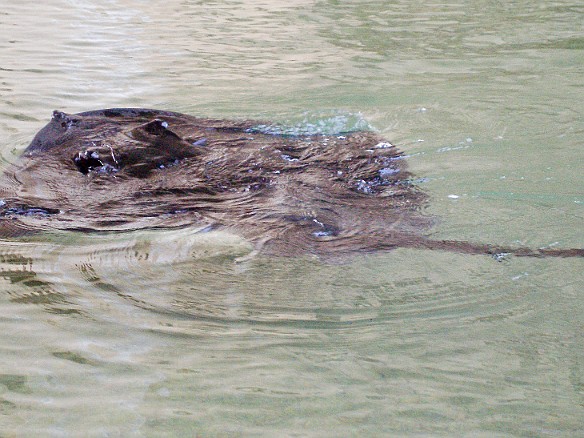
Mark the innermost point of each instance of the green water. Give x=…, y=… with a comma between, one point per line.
x=161, y=333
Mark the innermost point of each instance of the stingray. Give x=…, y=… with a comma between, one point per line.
x=122, y=169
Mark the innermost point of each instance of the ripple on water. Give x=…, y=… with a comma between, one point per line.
x=186, y=277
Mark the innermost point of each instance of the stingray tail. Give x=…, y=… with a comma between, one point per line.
x=497, y=252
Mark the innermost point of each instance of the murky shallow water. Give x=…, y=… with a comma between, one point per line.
x=161, y=333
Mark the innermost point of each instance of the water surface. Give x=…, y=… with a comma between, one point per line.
x=162, y=333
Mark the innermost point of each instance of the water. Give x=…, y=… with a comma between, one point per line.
x=162, y=333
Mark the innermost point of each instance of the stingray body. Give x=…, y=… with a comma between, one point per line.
x=128, y=168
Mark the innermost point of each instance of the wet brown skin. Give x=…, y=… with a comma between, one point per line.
x=127, y=169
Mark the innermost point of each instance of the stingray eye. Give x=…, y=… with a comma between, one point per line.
x=65, y=120
x=60, y=118
x=59, y=115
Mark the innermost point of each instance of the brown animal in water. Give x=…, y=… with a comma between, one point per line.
x=126, y=169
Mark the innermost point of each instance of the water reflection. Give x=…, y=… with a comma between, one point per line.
x=106, y=264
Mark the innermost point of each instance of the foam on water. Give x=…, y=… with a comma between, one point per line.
x=333, y=122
